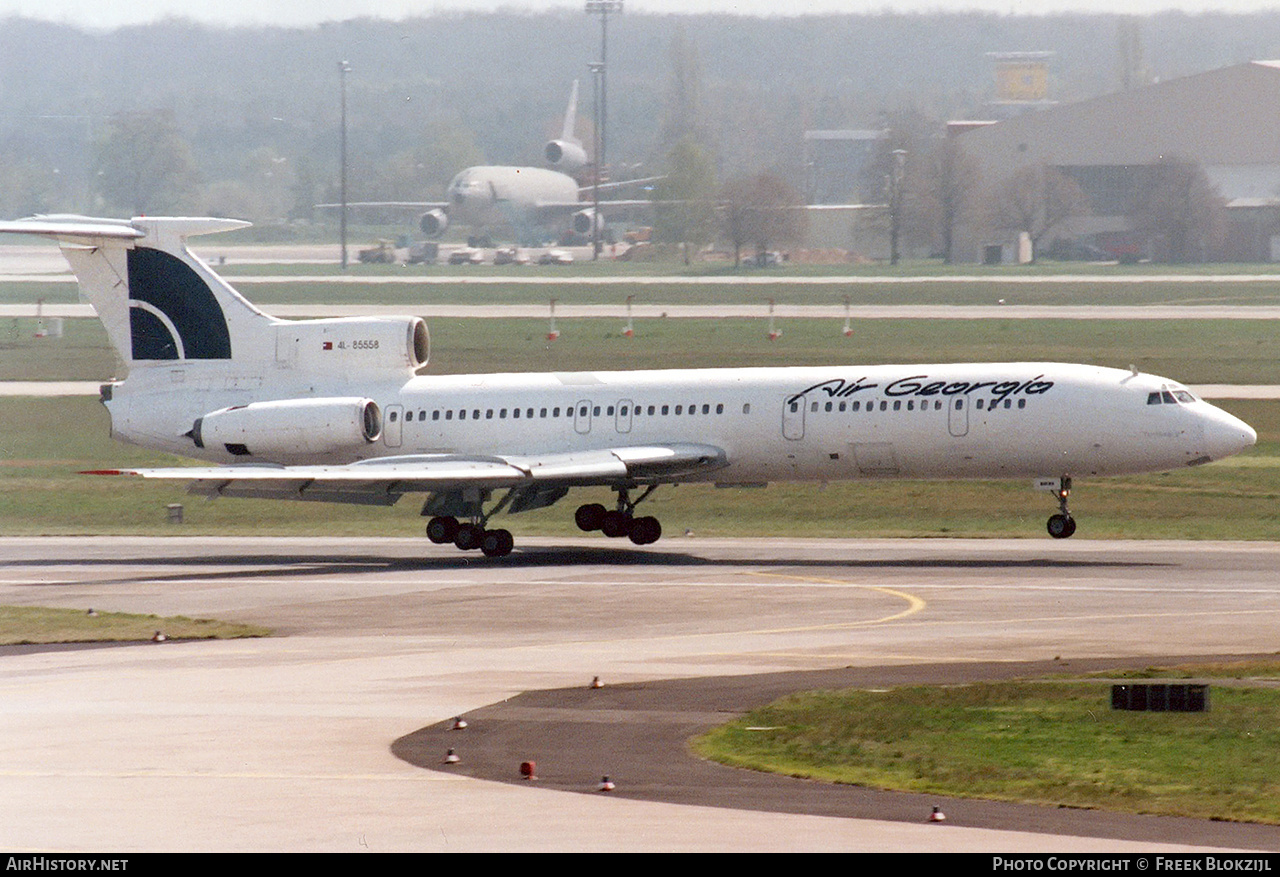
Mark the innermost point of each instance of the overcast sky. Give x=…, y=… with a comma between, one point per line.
x=111, y=13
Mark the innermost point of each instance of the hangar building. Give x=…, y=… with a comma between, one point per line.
x=1226, y=120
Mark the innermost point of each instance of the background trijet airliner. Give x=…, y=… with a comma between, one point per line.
x=333, y=410
x=529, y=202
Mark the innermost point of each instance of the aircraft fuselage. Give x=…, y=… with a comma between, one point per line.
x=507, y=197
x=911, y=421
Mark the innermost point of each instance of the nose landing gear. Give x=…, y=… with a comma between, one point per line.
x=1062, y=525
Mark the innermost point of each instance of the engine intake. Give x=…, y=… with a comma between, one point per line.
x=587, y=221
x=351, y=346
x=434, y=222
x=290, y=428
x=565, y=155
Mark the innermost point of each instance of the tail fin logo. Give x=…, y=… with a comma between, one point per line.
x=172, y=312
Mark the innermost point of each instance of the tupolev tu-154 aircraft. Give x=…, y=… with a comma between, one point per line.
x=333, y=410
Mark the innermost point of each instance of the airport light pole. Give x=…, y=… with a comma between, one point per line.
x=597, y=72
x=343, y=69
x=602, y=8
x=895, y=202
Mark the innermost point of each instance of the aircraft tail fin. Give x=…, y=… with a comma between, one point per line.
x=571, y=116
x=157, y=300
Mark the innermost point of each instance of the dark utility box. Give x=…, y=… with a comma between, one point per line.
x=1161, y=697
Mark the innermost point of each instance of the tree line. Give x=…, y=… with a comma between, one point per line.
x=244, y=121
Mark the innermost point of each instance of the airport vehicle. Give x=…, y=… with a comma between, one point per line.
x=467, y=256
x=423, y=253
x=535, y=204
x=556, y=257
x=510, y=256
x=333, y=409
x=383, y=253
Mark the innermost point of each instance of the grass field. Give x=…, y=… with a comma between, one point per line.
x=45, y=442
x=1110, y=285
x=37, y=624
x=1191, y=351
x=1054, y=742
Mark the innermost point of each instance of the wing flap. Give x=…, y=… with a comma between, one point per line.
x=384, y=480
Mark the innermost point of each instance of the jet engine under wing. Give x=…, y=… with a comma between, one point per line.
x=382, y=481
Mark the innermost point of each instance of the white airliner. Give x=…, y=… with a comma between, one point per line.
x=334, y=410
x=529, y=201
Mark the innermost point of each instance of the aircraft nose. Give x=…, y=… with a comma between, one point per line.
x=1225, y=434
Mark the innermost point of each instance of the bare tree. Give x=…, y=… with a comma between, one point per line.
x=1180, y=212
x=761, y=210
x=943, y=195
x=1035, y=200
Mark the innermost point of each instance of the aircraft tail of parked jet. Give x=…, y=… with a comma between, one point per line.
x=566, y=152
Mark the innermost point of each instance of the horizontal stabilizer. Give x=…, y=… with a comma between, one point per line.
x=72, y=227
x=87, y=229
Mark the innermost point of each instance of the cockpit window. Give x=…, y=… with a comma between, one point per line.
x=1166, y=397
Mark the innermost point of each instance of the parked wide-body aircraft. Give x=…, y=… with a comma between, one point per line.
x=530, y=202
x=334, y=410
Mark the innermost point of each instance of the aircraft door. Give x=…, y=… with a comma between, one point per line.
x=392, y=425
x=793, y=417
x=582, y=417
x=958, y=416
x=623, y=419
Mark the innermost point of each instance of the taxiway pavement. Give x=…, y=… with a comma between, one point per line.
x=298, y=742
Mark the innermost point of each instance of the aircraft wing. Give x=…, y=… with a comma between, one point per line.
x=398, y=205
x=383, y=480
x=586, y=191
x=582, y=205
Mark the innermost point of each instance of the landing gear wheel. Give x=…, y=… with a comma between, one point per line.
x=468, y=537
x=616, y=524
x=1061, y=526
x=645, y=530
x=442, y=530
x=589, y=517
x=496, y=543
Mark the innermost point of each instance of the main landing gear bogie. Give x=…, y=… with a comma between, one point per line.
x=620, y=522
x=444, y=529
x=643, y=530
